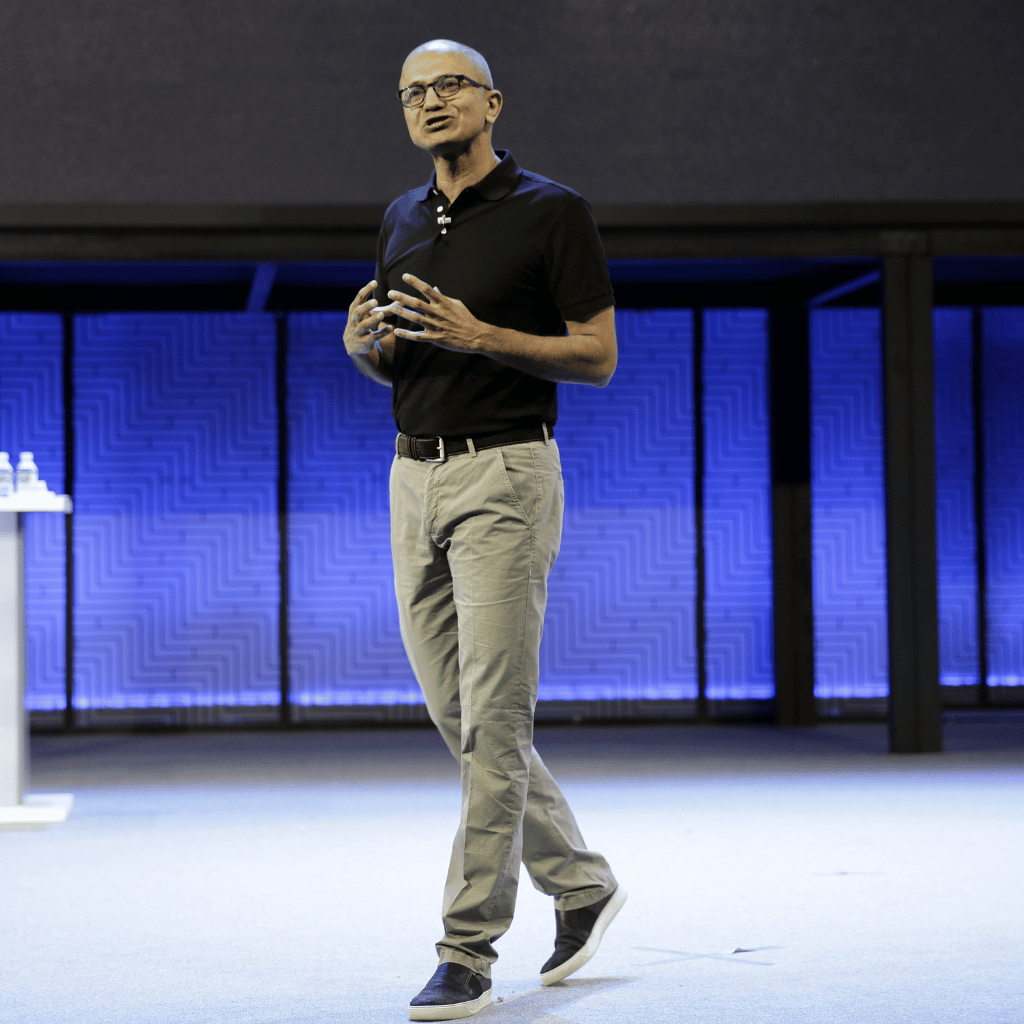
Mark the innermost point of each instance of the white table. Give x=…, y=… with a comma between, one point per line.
x=17, y=808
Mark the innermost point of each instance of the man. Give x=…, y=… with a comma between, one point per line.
x=498, y=290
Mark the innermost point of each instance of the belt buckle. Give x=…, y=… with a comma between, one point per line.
x=442, y=457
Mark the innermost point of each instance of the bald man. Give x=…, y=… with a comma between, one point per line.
x=491, y=288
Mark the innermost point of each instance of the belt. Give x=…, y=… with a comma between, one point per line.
x=437, y=449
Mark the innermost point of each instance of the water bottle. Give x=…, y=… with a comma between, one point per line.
x=28, y=472
x=6, y=476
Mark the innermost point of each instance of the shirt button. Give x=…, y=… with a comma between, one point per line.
x=440, y=209
x=444, y=231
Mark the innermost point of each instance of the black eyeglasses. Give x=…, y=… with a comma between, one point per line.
x=446, y=87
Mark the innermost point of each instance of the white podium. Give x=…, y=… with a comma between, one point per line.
x=16, y=808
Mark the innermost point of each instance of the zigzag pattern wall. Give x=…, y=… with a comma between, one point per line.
x=621, y=603
x=737, y=506
x=32, y=419
x=176, y=583
x=345, y=646
x=620, y=621
x=848, y=504
x=956, y=534
x=1003, y=384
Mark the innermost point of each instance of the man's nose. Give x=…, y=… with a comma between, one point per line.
x=437, y=101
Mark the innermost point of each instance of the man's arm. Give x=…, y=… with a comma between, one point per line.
x=368, y=341
x=586, y=355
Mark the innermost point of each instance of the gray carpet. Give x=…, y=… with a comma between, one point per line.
x=273, y=877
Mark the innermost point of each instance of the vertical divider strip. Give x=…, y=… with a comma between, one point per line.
x=68, y=381
x=700, y=622
x=981, y=549
x=286, y=716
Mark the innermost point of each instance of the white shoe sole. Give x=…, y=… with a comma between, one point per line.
x=453, y=1011
x=577, y=960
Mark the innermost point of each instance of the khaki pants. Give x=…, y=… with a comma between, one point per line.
x=473, y=541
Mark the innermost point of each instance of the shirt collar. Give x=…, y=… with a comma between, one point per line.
x=495, y=185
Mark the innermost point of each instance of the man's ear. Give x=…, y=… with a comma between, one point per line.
x=494, y=104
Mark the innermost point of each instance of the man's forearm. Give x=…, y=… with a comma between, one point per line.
x=567, y=359
x=374, y=364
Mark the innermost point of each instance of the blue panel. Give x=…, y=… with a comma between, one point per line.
x=176, y=583
x=737, y=506
x=620, y=621
x=32, y=419
x=956, y=537
x=1003, y=385
x=848, y=504
x=345, y=642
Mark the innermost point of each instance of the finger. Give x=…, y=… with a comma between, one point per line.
x=413, y=314
x=420, y=285
x=424, y=312
x=424, y=335
x=362, y=310
x=362, y=294
x=412, y=300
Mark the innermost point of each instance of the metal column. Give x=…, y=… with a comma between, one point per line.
x=915, y=711
x=790, y=397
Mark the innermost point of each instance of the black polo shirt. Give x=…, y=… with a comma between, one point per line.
x=521, y=252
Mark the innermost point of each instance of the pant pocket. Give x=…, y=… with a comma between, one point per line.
x=519, y=467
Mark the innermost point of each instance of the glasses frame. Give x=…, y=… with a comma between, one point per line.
x=433, y=85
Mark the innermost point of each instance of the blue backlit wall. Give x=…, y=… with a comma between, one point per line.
x=620, y=618
x=345, y=646
x=848, y=504
x=32, y=419
x=1003, y=384
x=956, y=534
x=737, y=506
x=176, y=541
x=620, y=621
x=176, y=522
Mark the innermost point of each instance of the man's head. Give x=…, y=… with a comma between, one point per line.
x=450, y=124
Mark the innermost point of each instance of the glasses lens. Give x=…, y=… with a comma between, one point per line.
x=413, y=95
x=447, y=86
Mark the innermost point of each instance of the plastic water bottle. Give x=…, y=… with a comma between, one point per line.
x=28, y=472
x=6, y=476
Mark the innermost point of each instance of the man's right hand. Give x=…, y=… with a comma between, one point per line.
x=365, y=327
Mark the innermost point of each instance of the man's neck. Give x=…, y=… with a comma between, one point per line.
x=457, y=171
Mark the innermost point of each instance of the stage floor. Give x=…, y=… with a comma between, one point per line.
x=784, y=876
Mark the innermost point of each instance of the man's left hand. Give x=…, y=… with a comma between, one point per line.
x=446, y=322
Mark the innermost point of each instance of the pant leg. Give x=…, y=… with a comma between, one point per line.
x=482, y=532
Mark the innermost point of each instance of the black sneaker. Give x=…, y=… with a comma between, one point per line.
x=453, y=992
x=577, y=936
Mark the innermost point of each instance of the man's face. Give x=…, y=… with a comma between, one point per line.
x=447, y=125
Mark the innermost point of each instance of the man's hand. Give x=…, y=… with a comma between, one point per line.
x=364, y=328
x=446, y=322
x=585, y=354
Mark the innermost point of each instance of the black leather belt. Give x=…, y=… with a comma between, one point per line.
x=437, y=449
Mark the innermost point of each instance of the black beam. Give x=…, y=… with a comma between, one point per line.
x=286, y=716
x=981, y=546
x=915, y=711
x=700, y=621
x=793, y=607
x=68, y=328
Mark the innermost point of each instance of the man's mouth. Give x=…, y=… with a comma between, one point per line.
x=439, y=121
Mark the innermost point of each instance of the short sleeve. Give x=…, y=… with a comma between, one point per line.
x=575, y=262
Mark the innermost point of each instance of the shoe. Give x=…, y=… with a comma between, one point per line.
x=577, y=936
x=453, y=992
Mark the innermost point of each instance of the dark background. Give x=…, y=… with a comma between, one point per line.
x=654, y=101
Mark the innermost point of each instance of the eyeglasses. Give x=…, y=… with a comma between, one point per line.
x=446, y=87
